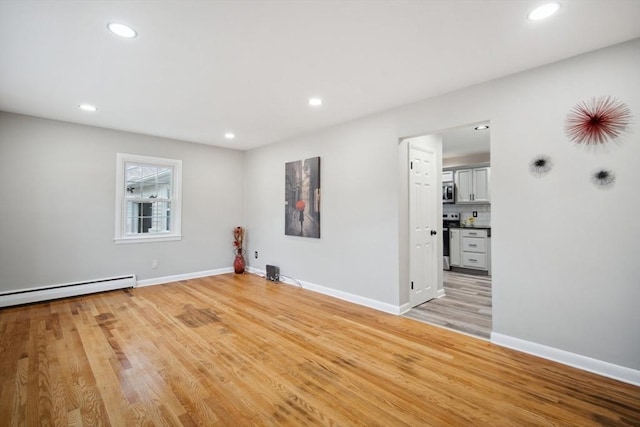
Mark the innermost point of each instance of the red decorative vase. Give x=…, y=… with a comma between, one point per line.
x=238, y=264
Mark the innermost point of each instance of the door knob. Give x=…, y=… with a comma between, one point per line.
x=434, y=232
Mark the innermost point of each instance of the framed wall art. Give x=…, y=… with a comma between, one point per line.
x=302, y=198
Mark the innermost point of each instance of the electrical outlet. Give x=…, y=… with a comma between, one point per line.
x=154, y=264
x=255, y=254
x=475, y=214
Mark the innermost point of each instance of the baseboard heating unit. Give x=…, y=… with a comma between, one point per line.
x=25, y=296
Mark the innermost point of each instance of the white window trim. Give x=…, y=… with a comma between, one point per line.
x=121, y=236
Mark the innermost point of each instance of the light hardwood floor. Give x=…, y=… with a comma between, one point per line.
x=241, y=351
x=466, y=306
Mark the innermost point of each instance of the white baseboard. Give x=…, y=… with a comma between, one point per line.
x=186, y=276
x=585, y=363
x=345, y=296
x=404, y=308
x=407, y=306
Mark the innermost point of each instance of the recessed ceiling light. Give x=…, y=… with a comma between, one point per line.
x=482, y=127
x=122, y=30
x=544, y=11
x=229, y=135
x=88, y=107
x=315, y=102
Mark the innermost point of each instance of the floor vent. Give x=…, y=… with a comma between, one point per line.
x=26, y=296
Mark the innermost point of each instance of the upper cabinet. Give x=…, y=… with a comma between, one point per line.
x=473, y=185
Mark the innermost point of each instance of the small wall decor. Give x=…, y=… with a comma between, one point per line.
x=597, y=121
x=302, y=198
x=603, y=178
x=540, y=165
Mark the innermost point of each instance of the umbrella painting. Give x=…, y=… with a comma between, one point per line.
x=302, y=198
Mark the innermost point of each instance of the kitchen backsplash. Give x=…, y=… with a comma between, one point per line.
x=466, y=211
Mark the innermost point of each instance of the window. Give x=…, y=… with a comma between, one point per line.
x=148, y=205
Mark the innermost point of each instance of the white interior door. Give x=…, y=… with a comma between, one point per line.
x=424, y=196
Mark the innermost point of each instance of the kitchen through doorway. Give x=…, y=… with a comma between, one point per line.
x=465, y=300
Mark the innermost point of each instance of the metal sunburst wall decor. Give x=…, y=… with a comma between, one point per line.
x=603, y=178
x=539, y=166
x=597, y=121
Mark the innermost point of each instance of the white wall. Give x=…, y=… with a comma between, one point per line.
x=57, y=205
x=565, y=270
x=357, y=252
x=566, y=258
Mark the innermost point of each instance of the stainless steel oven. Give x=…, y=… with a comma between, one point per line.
x=448, y=192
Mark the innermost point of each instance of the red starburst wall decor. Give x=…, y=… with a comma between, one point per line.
x=597, y=121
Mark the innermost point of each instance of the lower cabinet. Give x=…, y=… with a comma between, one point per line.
x=474, y=260
x=469, y=248
x=454, y=247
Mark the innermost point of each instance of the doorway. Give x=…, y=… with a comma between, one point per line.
x=464, y=300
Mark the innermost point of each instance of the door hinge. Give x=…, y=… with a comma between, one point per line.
x=411, y=285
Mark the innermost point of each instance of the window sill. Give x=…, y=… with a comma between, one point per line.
x=147, y=239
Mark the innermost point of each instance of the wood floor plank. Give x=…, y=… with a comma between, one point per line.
x=466, y=306
x=239, y=350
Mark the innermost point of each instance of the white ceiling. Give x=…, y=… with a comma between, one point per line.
x=199, y=69
x=465, y=140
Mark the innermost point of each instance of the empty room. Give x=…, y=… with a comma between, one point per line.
x=245, y=213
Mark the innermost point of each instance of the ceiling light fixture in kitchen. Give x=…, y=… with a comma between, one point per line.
x=315, y=102
x=229, y=135
x=544, y=11
x=122, y=30
x=481, y=127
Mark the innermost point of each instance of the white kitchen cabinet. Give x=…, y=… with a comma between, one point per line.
x=464, y=181
x=473, y=185
x=474, y=260
x=469, y=248
x=481, y=178
x=455, y=258
x=474, y=244
x=447, y=175
x=474, y=248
